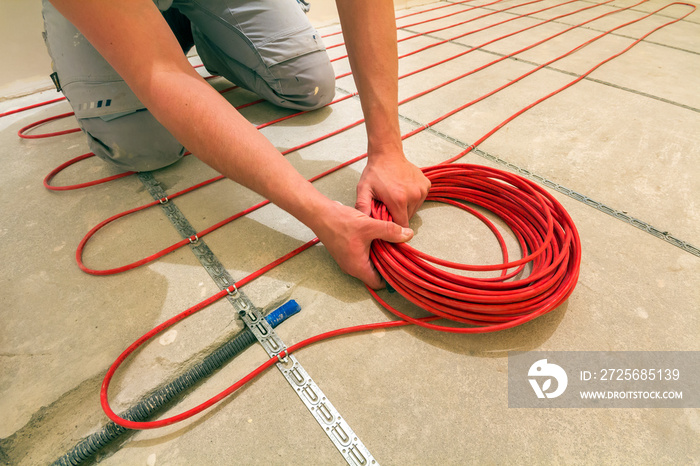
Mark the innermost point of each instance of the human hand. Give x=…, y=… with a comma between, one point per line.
x=394, y=181
x=347, y=234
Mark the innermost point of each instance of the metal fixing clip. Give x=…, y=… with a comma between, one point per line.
x=285, y=359
x=193, y=239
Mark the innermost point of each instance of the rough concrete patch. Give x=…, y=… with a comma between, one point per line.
x=4, y=459
x=54, y=429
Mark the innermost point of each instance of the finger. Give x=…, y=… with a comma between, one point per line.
x=402, y=218
x=372, y=278
x=398, y=214
x=364, y=201
x=414, y=206
x=391, y=232
x=412, y=209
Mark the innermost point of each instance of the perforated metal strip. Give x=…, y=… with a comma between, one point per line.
x=330, y=420
x=336, y=428
x=618, y=214
x=200, y=249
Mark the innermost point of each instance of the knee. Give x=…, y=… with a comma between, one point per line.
x=134, y=142
x=309, y=83
x=324, y=88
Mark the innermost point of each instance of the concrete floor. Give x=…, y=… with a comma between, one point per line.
x=627, y=137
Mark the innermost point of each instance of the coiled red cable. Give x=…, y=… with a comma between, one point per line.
x=547, y=237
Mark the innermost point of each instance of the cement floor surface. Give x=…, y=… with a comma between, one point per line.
x=627, y=138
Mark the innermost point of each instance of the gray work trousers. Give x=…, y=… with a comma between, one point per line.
x=266, y=46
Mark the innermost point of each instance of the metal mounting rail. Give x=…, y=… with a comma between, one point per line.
x=333, y=424
x=330, y=420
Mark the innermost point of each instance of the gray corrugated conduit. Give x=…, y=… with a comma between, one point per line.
x=91, y=444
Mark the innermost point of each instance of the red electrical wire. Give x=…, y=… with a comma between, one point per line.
x=63, y=166
x=29, y=107
x=186, y=241
x=54, y=172
x=454, y=25
x=540, y=223
x=434, y=19
x=60, y=168
x=548, y=240
x=60, y=99
x=427, y=10
x=23, y=130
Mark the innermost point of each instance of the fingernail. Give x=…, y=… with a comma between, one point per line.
x=406, y=232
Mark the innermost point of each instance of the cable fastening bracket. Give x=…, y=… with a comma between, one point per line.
x=285, y=359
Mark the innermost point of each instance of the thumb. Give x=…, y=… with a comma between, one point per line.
x=392, y=232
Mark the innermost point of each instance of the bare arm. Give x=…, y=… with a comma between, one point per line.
x=135, y=39
x=369, y=29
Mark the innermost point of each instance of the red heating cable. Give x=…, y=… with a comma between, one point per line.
x=548, y=231
x=535, y=217
x=57, y=170
x=60, y=99
x=202, y=233
x=340, y=44
x=29, y=107
x=544, y=230
x=22, y=131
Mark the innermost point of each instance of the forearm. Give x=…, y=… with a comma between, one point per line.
x=346, y=232
x=217, y=134
x=133, y=37
x=136, y=41
x=369, y=29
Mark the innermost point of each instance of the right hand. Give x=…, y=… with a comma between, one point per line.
x=397, y=183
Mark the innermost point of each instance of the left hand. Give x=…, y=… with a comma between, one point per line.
x=396, y=182
x=347, y=234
